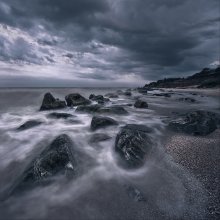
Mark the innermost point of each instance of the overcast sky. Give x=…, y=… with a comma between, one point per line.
x=105, y=42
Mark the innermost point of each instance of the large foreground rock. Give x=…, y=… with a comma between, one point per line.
x=49, y=103
x=76, y=99
x=196, y=123
x=29, y=124
x=133, y=144
x=57, y=158
x=102, y=122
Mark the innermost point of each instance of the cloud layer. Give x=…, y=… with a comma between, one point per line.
x=95, y=41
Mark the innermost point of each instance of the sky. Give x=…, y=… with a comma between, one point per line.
x=85, y=43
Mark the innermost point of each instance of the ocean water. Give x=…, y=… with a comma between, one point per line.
x=100, y=192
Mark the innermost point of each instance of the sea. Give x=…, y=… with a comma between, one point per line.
x=104, y=190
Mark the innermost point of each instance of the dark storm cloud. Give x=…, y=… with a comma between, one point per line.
x=156, y=36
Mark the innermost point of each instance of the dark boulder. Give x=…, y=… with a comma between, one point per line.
x=76, y=99
x=57, y=158
x=58, y=115
x=196, y=123
x=102, y=122
x=119, y=110
x=111, y=95
x=88, y=108
x=133, y=145
x=49, y=102
x=140, y=104
x=98, y=137
x=29, y=124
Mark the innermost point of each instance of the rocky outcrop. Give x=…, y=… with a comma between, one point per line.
x=50, y=103
x=59, y=115
x=133, y=144
x=29, y=124
x=196, y=123
x=140, y=104
x=102, y=122
x=57, y=158
x=76, y=99
x=207, y=78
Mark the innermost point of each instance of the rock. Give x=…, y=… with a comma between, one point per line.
x=111, y=95
x=135, y=194
x=76, y=99
x=49, y=103
x=88, y=108
x=114, y=110
x=196, y=123
x=99, y=98
x=133, y=144
x=127, y=93
x=102, y=122
x=57, y=158
x=120, y=92
x=187, y=99
x=59, y=115
x=142, y=91
x=168, y=95
x=98, y=137
x=140, y=104
x=29, y=124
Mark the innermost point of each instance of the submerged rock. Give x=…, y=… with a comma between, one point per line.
x=102, y=122
x=111, y=95
x=99, y=98
x=59, y=115
x=140, y=104
x=88, y=108
x=168, y=95
x=76, y=99
x=133, y=144
x=49, y=103
x=187, y=99
x=114, y=110
x=135, y=193
x=58, y=158
x=196, y=123
x=98, y=137
x=143, y=91
x=127, y=93
x=29, y=124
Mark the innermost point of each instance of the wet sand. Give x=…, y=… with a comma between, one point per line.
x=201, y=156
